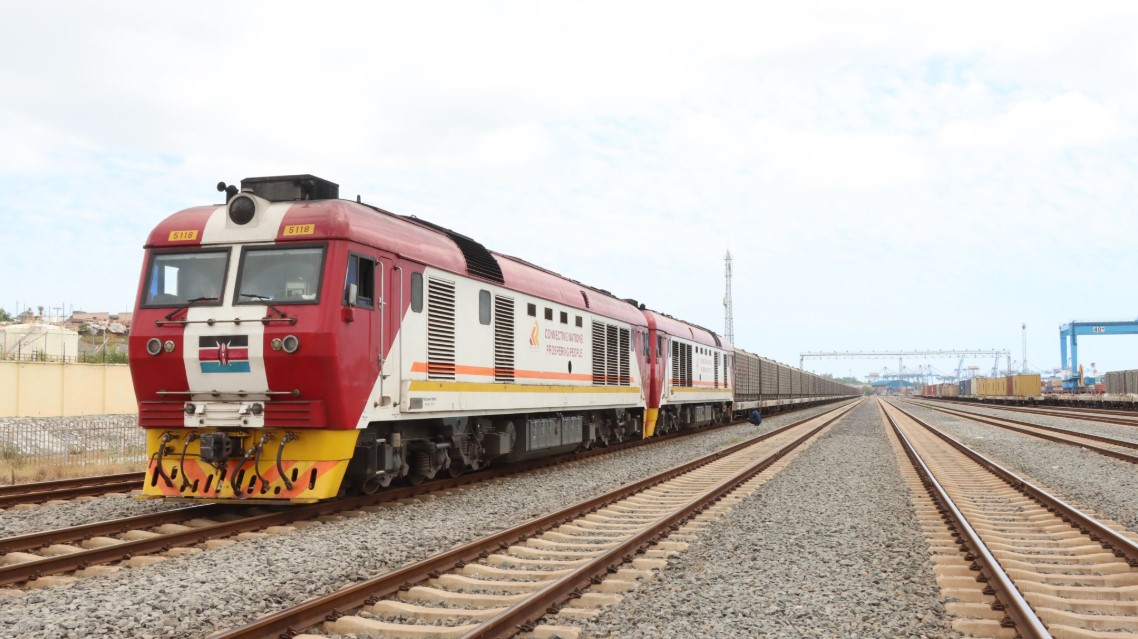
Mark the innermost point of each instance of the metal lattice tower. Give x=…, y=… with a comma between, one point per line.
x=1023, y=362
x=728, y=306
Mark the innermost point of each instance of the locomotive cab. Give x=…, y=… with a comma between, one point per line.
x=232, y=351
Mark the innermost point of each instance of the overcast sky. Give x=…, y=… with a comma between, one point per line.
x=887, y=175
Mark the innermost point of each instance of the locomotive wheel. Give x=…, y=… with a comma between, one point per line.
x=455, y=469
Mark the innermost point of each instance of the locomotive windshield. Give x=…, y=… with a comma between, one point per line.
x=176, y=279
x=282, y=275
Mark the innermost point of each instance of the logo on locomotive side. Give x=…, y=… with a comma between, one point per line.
x=534, y=343
x=224, y=354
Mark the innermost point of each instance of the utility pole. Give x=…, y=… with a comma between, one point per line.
x=728, y=306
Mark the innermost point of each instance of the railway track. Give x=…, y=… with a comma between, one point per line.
x=561, y=566
x=1016, y=560
x=1095, y=415
x=41, y=492
x=45, y=558
x=1050, y=433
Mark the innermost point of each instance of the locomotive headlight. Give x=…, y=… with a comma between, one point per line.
x=257, y=409
x=169, y=346
x=242, y=209
x=275, y=344
x=153, y=346
x=290, y=343
x=190, y=408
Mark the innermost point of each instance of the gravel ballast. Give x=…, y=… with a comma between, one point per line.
x=1084, y=478
x=196, y=595
x=829, y=547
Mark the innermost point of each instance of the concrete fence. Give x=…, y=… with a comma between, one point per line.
x=61, y=389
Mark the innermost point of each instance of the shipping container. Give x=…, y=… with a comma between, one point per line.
x=949, y=390
x=991, y=387
x=1122, y=382
x=1024, y=386
x=747, y=376
x=769, y=372
x=782, y=371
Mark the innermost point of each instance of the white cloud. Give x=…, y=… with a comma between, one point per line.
x=842, y=152
x=1039, y=124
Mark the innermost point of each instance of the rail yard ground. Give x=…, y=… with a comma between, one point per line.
x=831, y=541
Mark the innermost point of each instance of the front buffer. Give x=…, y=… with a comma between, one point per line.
x=242, y=465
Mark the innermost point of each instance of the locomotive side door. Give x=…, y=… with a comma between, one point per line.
x=386, y=330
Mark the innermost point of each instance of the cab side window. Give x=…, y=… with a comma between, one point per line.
x=359, y=286
x=417, y=292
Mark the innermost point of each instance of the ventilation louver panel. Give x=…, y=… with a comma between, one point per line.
x=479, y=261
x=624, y=379
x=598, y=354
x=440, y=329
x=503, y=339
x=685, y=365
x=612, y=356
x=676, y=379
x=717, y=370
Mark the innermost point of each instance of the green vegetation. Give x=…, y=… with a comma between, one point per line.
x=97, y=349
x=5, y=316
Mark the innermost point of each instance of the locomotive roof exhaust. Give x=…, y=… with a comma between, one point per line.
x=285, y=188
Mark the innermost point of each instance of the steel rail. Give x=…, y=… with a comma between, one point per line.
x=75, y=482
x=1120, y=545
x=30, y=570
x=71, y=534
x=985, y=419
x=289, y=622
x=1008, y=598
x=1054, y=411
x=68, y=493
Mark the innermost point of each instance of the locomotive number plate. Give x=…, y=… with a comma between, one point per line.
x=183, y=236
x=299, y=229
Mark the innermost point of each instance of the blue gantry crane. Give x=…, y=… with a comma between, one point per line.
x=1075, y=328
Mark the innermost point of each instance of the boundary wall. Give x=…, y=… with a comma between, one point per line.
x=57, y=389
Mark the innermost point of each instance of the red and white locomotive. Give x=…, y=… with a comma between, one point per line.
x=292, y=346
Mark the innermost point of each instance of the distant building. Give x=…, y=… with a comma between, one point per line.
x=90, y=318
x=99, y=323
x=38, y=342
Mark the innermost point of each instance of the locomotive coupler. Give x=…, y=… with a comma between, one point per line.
x=217, y=448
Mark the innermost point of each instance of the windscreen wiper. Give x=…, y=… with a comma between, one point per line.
x=265, y=299
x=189, y=303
